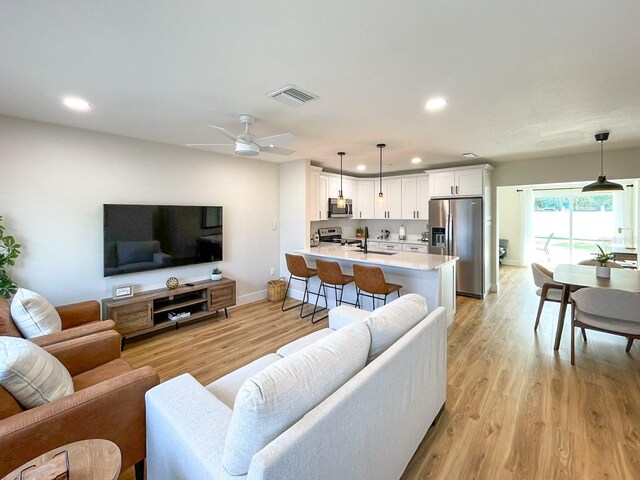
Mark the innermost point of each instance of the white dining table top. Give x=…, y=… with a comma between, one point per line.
x=585, y=276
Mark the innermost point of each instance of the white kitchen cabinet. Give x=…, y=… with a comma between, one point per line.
x=323, y=197
x=364, y=208
x=391, y=207
x=313, y=211
x=391, y=246
x=415, y=198
x=422, y=208
x=459, y=182
x=415, y=248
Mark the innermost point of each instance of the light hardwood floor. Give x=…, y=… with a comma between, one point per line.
x=515, y=408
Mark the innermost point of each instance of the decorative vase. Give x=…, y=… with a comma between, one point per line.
x=172, y=283
x=216, y=276
x=603, y=272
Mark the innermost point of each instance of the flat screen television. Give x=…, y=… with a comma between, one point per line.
x=148, y=237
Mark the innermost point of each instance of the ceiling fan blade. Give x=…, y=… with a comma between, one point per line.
x=277, y=150
x=275, y=139
x=209, y=144
x=226, y=132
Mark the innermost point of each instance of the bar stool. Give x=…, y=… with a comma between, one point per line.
x=330, y=275
x=298, y=271
x=371, y=280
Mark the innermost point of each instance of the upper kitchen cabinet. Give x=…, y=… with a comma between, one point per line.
x=415, y=197
x=364, y=205
x=459, y=182
x=348, y=187
x=463, y=182
x=317, y=195
x=391, y=207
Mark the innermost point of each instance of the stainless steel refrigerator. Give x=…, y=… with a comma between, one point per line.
x=456, y=228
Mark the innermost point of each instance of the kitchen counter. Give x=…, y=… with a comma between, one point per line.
x=432, y=276
x=413, y=261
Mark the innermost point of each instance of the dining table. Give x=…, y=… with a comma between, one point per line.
x=573, y=277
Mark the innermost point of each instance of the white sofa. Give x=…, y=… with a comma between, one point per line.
x=368, y=428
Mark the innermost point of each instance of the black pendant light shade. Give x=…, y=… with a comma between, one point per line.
x=602, y=184
x=380, y=194
x=341, y=202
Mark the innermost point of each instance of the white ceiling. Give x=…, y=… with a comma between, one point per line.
x=523, y=79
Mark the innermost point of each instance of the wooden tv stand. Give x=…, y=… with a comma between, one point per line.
x=147, y=312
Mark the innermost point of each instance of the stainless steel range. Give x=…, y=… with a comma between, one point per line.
x=334, y=235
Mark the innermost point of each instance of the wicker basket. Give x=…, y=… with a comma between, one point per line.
x=276, y=289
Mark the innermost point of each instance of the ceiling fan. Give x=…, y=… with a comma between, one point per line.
x=247, y=145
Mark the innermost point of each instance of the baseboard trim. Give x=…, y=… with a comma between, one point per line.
x=251, y=297
x=513, y=263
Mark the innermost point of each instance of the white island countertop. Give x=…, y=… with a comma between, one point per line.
x=408, y=260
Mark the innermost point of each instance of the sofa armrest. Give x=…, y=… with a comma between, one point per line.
x=161, y=258
x=344, y=315
x=76, y=314
x=82, y=354
x=113, y=410
x=75, y=332
x=186, y=430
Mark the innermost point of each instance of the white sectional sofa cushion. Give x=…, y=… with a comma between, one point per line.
x=305, y=341
x=391, y=321
x=344, y=315
x=277, y=397
x=226, y=388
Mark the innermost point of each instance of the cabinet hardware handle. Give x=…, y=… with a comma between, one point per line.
x=320, y=214
x=451, y=189
x=457, y=189
x=418, y=213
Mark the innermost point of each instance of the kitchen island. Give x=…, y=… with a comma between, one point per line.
x=432, y=276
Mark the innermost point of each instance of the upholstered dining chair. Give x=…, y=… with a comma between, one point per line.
x=548, y=290
x=606, y=310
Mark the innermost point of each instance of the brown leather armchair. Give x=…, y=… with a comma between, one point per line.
x=78, y=319
x=108, y=403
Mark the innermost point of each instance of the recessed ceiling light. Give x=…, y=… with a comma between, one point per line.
x=469, y=155
x=360, y=168
x=416, y=160
x=271, y=146
x=436, y=103
x=76, y=103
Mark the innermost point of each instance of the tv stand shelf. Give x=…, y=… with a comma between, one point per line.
x=148, y=312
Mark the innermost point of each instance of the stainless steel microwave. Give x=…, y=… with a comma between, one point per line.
x=337, y=212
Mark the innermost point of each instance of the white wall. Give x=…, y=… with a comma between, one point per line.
x=294, y=226
x=54, y=181
x=510, y=224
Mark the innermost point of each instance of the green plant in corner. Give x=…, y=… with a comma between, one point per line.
x=9, y=251
x=601, y=257
x=216, y=271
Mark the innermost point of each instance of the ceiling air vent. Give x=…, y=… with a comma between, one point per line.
x=292, y=95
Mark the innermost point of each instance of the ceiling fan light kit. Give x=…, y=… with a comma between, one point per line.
x=246, y=144
x=602, y=184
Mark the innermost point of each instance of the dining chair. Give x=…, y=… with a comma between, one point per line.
x=548, y=290
x=606, y=310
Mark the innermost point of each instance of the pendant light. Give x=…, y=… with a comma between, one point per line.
x=380, y=194
x=602, y=184
x=341, y=202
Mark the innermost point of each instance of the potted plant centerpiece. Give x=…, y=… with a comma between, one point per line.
x=603, y=270
x=9, y=251
x=216, y=274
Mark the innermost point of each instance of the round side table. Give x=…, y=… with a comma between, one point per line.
x=88, y=459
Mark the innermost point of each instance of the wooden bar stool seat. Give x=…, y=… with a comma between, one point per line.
x=371, y=281
x=330, y=275
x=298, y=270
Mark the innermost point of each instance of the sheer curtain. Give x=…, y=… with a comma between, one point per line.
x=526, y=214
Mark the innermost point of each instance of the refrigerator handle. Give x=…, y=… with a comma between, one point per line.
x=449, y=236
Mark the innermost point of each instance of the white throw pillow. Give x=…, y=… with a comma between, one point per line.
x=31, y=374
x=391, y=321
x=33, y=314
x=271, y=401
